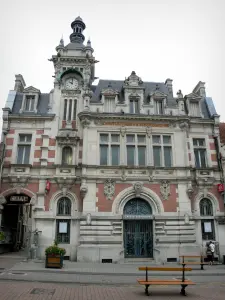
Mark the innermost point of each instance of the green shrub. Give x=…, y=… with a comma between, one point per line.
x=55, y=250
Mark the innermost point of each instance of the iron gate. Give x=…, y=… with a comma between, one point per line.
x=138, y=238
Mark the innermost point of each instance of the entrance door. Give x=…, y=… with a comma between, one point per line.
x=138, y=233
x=138, y=238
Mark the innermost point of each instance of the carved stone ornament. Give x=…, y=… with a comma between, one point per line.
x=85, y=122
x=2, y=199
x=68, y=138
x=33, y=200
x=18, y=182
x=133, y=80
x=123, y=175
x=65, y=183
x=190, y=191
x=122, y=131
x=109, y=188
x=88, y=219
x=165, y=189
x=149, y=131
x=83, y=190
x=138, y=187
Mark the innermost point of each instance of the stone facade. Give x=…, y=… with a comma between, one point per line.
x=82, y=153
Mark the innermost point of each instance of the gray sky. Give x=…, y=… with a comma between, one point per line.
x=159, y=39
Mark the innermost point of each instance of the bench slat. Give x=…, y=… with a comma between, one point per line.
x=191, y=256
x=164, y=269
x=192, y=263
x=166, y=283
x=163, y=280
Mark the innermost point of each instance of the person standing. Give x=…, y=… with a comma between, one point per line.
x=212, y=251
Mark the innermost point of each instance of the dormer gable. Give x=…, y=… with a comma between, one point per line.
x=157, y=95
x=109, y=97
x=133, y=80
x=30, y=100
x=158, y=100
x=193, y=106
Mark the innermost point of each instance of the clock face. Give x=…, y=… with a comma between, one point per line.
x=71, y=83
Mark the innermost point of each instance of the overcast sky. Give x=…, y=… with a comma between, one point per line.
x=159, y=39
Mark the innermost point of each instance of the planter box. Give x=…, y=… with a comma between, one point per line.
x=53, y=261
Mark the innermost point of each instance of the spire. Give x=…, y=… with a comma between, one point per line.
x=78, y=27
x=61, y=45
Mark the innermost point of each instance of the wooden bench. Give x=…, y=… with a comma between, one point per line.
x=182, y=282
x=188, y=260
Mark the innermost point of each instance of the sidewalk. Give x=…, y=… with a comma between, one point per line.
x=112, y=269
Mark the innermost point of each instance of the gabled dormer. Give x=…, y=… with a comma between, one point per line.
x=158, y=100
x=193, y=104
x=109, y=98
x=30, y=99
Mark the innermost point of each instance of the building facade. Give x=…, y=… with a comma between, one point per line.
x=119, y=170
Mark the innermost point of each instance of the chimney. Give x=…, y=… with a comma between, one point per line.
x=19, y=83
x=200, y=89
x=169, y=84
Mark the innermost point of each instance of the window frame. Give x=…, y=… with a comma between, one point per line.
x=24, y=144
x=199, y=148
x=136, y=144
x=135, y=109
x=207, y=217
x=112, y=99
x=31, y=99
x=159, y=107
x=63, y=238
x=109, y=145
x=69, y=109
x=162, y=147
x=62, y=154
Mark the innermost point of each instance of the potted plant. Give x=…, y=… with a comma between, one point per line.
x=54, y=256
x=2, y=236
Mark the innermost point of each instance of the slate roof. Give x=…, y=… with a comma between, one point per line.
x=42, y=106
x=207, y=105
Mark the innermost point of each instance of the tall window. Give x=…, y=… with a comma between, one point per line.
x=136, y=150
x=63, y=225
x=29, y=103
x=194, y=109
x=200, y=153
x=207, y=224
x=109, y=104
x=70, y=109
x=67, y=156
x=162, y=150
x=158, y=107
x=109, y=149
x=23, y=150
x=134, y=106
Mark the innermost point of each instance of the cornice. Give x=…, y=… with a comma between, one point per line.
x=31, y=117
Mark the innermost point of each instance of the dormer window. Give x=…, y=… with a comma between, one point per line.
x=134, y=106
x=109, y=104
x=194, y=109
x=29, y=103
x=159, y=107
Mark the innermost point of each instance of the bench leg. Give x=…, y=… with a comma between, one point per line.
x=183, y=292
x=202, y=267
x=146, y=290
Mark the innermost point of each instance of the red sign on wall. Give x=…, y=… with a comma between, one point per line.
x=220, y=187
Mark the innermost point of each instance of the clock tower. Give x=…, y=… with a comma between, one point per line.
x=74, y=66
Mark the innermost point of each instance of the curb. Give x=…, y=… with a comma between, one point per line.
x=115, y=274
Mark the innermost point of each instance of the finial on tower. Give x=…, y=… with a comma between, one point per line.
x=78, y=27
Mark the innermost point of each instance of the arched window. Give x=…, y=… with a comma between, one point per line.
x=207, y=221
x=137, y=207
x=67, y=155
x=206, y=208
x=64, y=207
x=63, y=225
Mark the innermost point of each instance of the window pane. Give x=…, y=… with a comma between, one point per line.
x=65, y=109
x=115, y=138
x=67, y=156
x=115, y=155
x=141, y=156
x=32, y=105
x=130, y=138
x=197, y=160
x=104, y=138
x=103, y=155
x=131, y=107
x=168, y=156
x=201, y=142
x=75, y=110
x=206, y=208
x=131, y=155
x=27, y=155
x=202, y=153
x=22, y=138
x=156, y=139
x=27, y=106
x=141, y=139
x=28, y=138
x=157, y=156
x=70, y=110
x=166, y=139
x=20, y=154
x=136, y=107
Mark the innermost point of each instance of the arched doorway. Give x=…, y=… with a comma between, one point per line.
x=138, y=229
x=16, y=221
